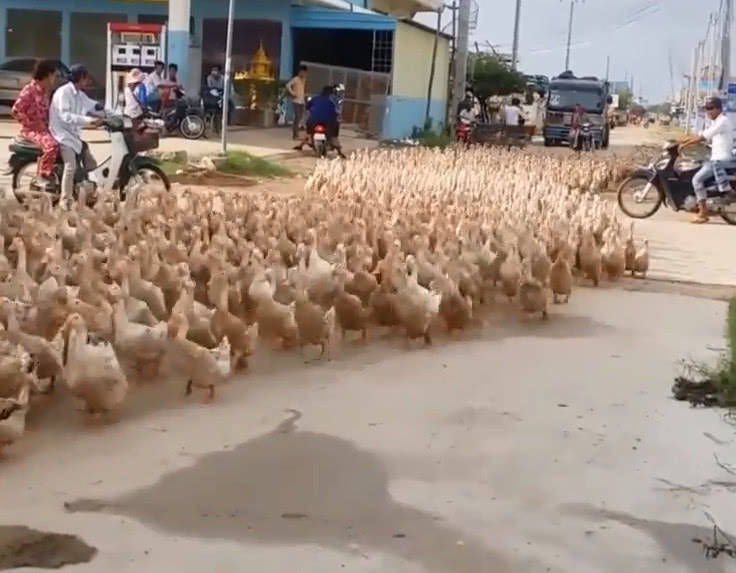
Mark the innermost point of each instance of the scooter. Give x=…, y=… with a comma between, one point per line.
x=212, y=106
x=464, y=131
x=185, y=118
x=319, y=140
x=662, y=181
x=116, y=173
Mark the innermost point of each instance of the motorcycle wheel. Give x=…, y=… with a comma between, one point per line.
x=148, y=175
x=192, y=127
x=627, y=198
x=24, y=175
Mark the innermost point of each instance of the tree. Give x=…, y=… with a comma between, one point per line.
x=624, y=100
x=494, y=77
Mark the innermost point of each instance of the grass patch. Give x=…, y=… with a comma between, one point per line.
x=236, y=163
x=704, y=385
x=242, y=163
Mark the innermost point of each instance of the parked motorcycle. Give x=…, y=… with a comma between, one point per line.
x=212, y=106
x=664, y=181
x=185, y=118
x=114, y=174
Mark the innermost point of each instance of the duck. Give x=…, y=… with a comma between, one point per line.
x=13, y=412
x=206, y=368
x=560, y=278
x=532, y=294
x=349, y=309
x=47, y=355
x=630, y=251
x=243, y=338
x=590, y=258
x=641, y=261
x=316, y=326
x=455, y=309
x=137, y=343
x=510, y=274
x=92, y=372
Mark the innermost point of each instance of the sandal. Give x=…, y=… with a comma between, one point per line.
x=699, y=219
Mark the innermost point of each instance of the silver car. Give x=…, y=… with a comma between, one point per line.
x=16, y=73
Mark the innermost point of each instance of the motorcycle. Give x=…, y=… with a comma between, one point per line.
x=212, y=106
x=663, y=181
x=185, y=118
x=319, y=140
x=116, y=173
x=583, y=138
x=464, y=132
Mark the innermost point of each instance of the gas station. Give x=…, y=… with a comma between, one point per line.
x=374, y=47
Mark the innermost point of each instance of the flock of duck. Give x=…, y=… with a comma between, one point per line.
x=416, y=240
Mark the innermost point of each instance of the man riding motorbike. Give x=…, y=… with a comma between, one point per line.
x=31, y=110
x=70, y=109
x=576, y=125
x=322, y=110
x=720, y=135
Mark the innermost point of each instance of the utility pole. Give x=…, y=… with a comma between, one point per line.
x=726, y=47
x=461, y=54
x=608, y=66
x=228, y=73
x=692, y=92
x=672, y=77
x=432, y=67
x=569, y=35
x=515, y=51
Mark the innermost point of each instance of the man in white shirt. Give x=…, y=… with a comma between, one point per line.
x=70, y=111
x=512, y=113
x=720, y=135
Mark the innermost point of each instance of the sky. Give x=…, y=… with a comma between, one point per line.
x=638, y=35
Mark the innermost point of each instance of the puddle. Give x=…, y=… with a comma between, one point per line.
x=292, y=487
x=675, y=539
x=24, y=547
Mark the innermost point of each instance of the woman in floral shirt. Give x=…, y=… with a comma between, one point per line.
x=31, y=110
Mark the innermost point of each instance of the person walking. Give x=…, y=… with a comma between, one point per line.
x=296, y=88
x=31, y=110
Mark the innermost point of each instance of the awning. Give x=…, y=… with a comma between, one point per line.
x=400, y=8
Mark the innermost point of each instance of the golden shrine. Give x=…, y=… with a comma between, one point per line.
x=261, y=67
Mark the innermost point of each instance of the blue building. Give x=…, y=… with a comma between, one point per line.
x=372, y=46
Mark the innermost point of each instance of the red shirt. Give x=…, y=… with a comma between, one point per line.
x=31, y=109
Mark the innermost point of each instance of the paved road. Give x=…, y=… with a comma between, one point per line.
x=532, y=447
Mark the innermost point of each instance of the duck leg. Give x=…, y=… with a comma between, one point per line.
x=188, y=390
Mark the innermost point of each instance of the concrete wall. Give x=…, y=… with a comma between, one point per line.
x=402, y=114
x=413, y=60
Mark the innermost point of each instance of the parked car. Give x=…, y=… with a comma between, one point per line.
x=17, y=72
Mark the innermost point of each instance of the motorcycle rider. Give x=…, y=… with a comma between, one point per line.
x=578, y=119
x=135, y=94
x=322, y=110
x=720, y=135
x=31, y=110
x=70, y=111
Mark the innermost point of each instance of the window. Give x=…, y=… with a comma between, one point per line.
x=33, y=33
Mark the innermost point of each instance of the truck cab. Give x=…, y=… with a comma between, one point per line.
x=565, y=91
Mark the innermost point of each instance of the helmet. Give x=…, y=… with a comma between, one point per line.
x=714, y=103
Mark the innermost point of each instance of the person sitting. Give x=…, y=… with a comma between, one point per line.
x=322, y=111
x=720, y=135
x=31, y=110
x=153, y=82
x=135, y=94
x=70, y=111
x=216, y=80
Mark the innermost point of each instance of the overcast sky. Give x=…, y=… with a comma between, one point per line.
x=637, y=34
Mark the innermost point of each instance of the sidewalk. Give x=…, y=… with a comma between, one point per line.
x=268, y=143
